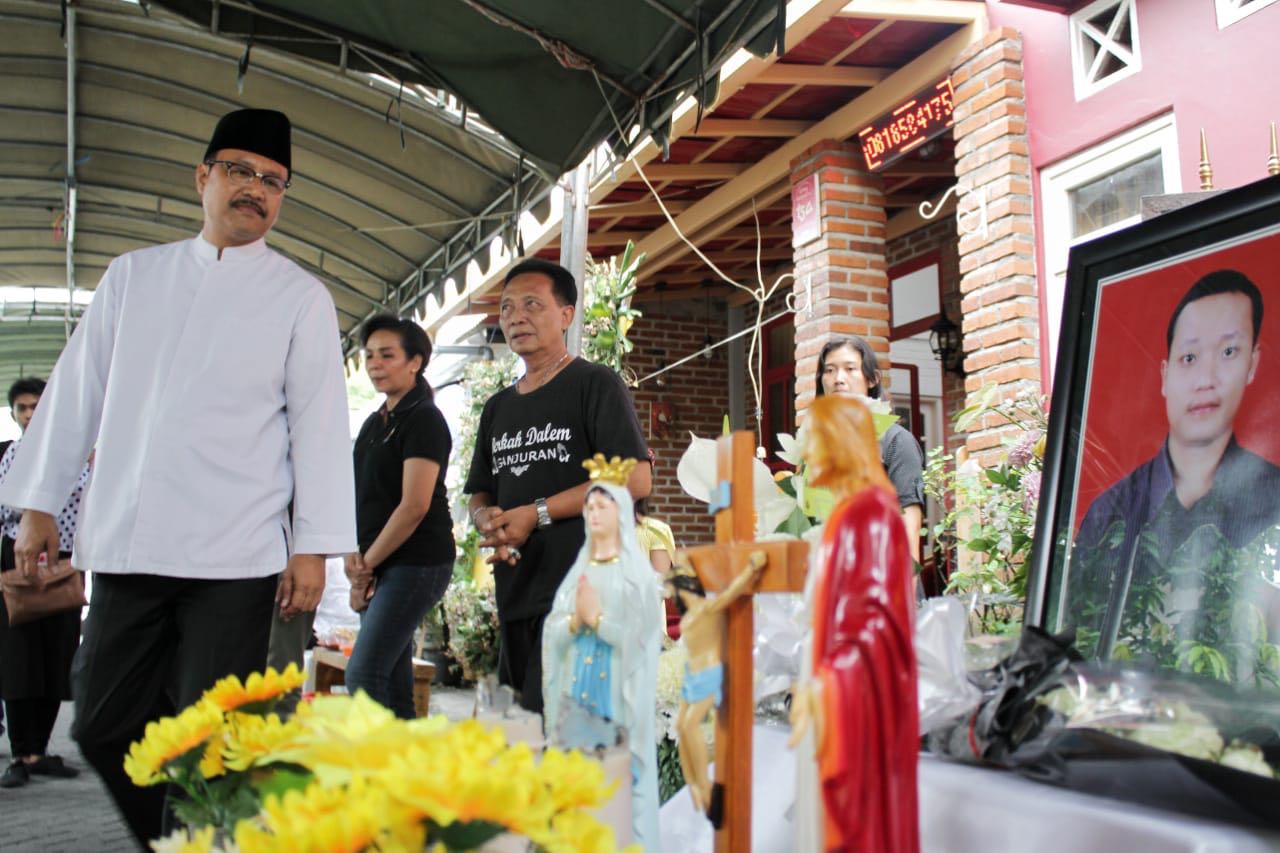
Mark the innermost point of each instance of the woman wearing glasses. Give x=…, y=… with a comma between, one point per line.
x=402, y=514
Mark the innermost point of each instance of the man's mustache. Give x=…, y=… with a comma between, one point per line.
x=248, y=202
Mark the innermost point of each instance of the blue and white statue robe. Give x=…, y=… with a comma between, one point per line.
x=612, y=675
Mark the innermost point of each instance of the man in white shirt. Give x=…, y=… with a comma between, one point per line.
x=209, y=375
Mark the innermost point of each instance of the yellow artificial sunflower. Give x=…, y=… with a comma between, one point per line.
x=573, y=780
x=580, y=832
x=354, y=817
x=465, y=773
x=340, y=735
x=186, y=841
x=212, y=764
x=230, y=694
x=249, y=738
x=169, y=739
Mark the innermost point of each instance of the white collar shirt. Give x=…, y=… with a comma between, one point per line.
x=212, y=386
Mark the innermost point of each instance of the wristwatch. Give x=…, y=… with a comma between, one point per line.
x=544, y=514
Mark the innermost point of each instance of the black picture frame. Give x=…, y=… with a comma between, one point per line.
x=1221, y=220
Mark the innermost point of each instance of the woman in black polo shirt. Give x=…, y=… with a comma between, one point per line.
x=402, y=513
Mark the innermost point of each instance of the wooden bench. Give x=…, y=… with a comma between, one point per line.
x=331, y=671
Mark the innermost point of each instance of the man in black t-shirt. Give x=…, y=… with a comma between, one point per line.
x=526, y=482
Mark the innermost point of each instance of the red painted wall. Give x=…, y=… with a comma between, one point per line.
x=1219, y=80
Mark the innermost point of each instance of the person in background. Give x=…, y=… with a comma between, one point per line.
x=209, y=374
x=526, y=481
x=847, y=367
x=656, y=538
x=402, y=513
x=35, y=657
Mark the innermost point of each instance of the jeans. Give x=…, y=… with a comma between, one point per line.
x=381, y=663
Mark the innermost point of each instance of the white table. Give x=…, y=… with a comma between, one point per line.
x=974, y=810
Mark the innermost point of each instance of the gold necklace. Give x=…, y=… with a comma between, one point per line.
x=547, y=374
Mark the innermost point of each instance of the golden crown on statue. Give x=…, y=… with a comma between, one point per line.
x=616, y=470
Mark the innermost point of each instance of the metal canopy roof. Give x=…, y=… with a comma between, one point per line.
x=396, y=184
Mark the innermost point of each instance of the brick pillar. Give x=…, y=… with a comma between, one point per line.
x=997, y=268
x=844, y=266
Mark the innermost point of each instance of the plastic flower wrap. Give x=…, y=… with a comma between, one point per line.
x=1168, y=713
x=344, y=774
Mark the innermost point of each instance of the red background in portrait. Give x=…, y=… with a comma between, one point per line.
x=1125, y=422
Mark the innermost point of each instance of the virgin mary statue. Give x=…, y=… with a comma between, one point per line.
x=601, y=641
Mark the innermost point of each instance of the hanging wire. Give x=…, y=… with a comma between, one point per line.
x=761, y=294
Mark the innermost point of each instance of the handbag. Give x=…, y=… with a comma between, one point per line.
x=52, y=590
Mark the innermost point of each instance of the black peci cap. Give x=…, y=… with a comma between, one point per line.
x=263, y=132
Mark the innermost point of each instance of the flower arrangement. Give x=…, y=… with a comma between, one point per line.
x=784, y=504
x=471, y=612
x=607, y=312
x=990, y=513
x=815, y=504
x=344, y=774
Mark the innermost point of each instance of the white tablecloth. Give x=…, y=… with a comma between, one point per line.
x=974, y=810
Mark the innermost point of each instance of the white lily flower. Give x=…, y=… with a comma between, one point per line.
x=696, y=473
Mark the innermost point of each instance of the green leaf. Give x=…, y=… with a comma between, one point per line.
x=282, y=779
x=979, y=544
x=464, y=836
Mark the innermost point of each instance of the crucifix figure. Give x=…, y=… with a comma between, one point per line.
x=769, y=567
x=702, y=629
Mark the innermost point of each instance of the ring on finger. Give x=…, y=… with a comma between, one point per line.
x=514, y=552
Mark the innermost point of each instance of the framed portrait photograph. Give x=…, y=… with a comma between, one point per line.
x=1158, y=532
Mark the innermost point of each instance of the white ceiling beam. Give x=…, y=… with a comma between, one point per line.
x=640, y=207
x=930, y=11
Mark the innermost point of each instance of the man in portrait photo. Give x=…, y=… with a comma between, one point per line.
x=1167, y=555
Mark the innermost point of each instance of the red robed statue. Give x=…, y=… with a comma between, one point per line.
x=860, y=685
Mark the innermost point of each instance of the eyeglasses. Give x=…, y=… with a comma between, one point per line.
x=241, y=175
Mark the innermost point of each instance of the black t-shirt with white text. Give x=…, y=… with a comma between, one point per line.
x=532, y=446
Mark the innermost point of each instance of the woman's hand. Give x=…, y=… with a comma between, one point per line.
x=355, y=568
x=37, y=534
x=587, y=607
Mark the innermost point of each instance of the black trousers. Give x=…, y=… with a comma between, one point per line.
x=30, y=725
x=520, y=659
x=152, y=645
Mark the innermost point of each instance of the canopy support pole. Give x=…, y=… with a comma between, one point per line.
x=69, y=200
x=573, y=247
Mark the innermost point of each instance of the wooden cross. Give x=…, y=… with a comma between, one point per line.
x=717, y=565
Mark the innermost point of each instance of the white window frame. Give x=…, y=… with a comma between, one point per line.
x=1234, y=11
x=1080, y=68
x=1159, y=135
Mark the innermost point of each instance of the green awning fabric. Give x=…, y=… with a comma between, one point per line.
x=534, y=70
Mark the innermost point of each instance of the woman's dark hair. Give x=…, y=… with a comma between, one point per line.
x=25, y=385
x=870, y=365
x=413, y=338
x=642, y=507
